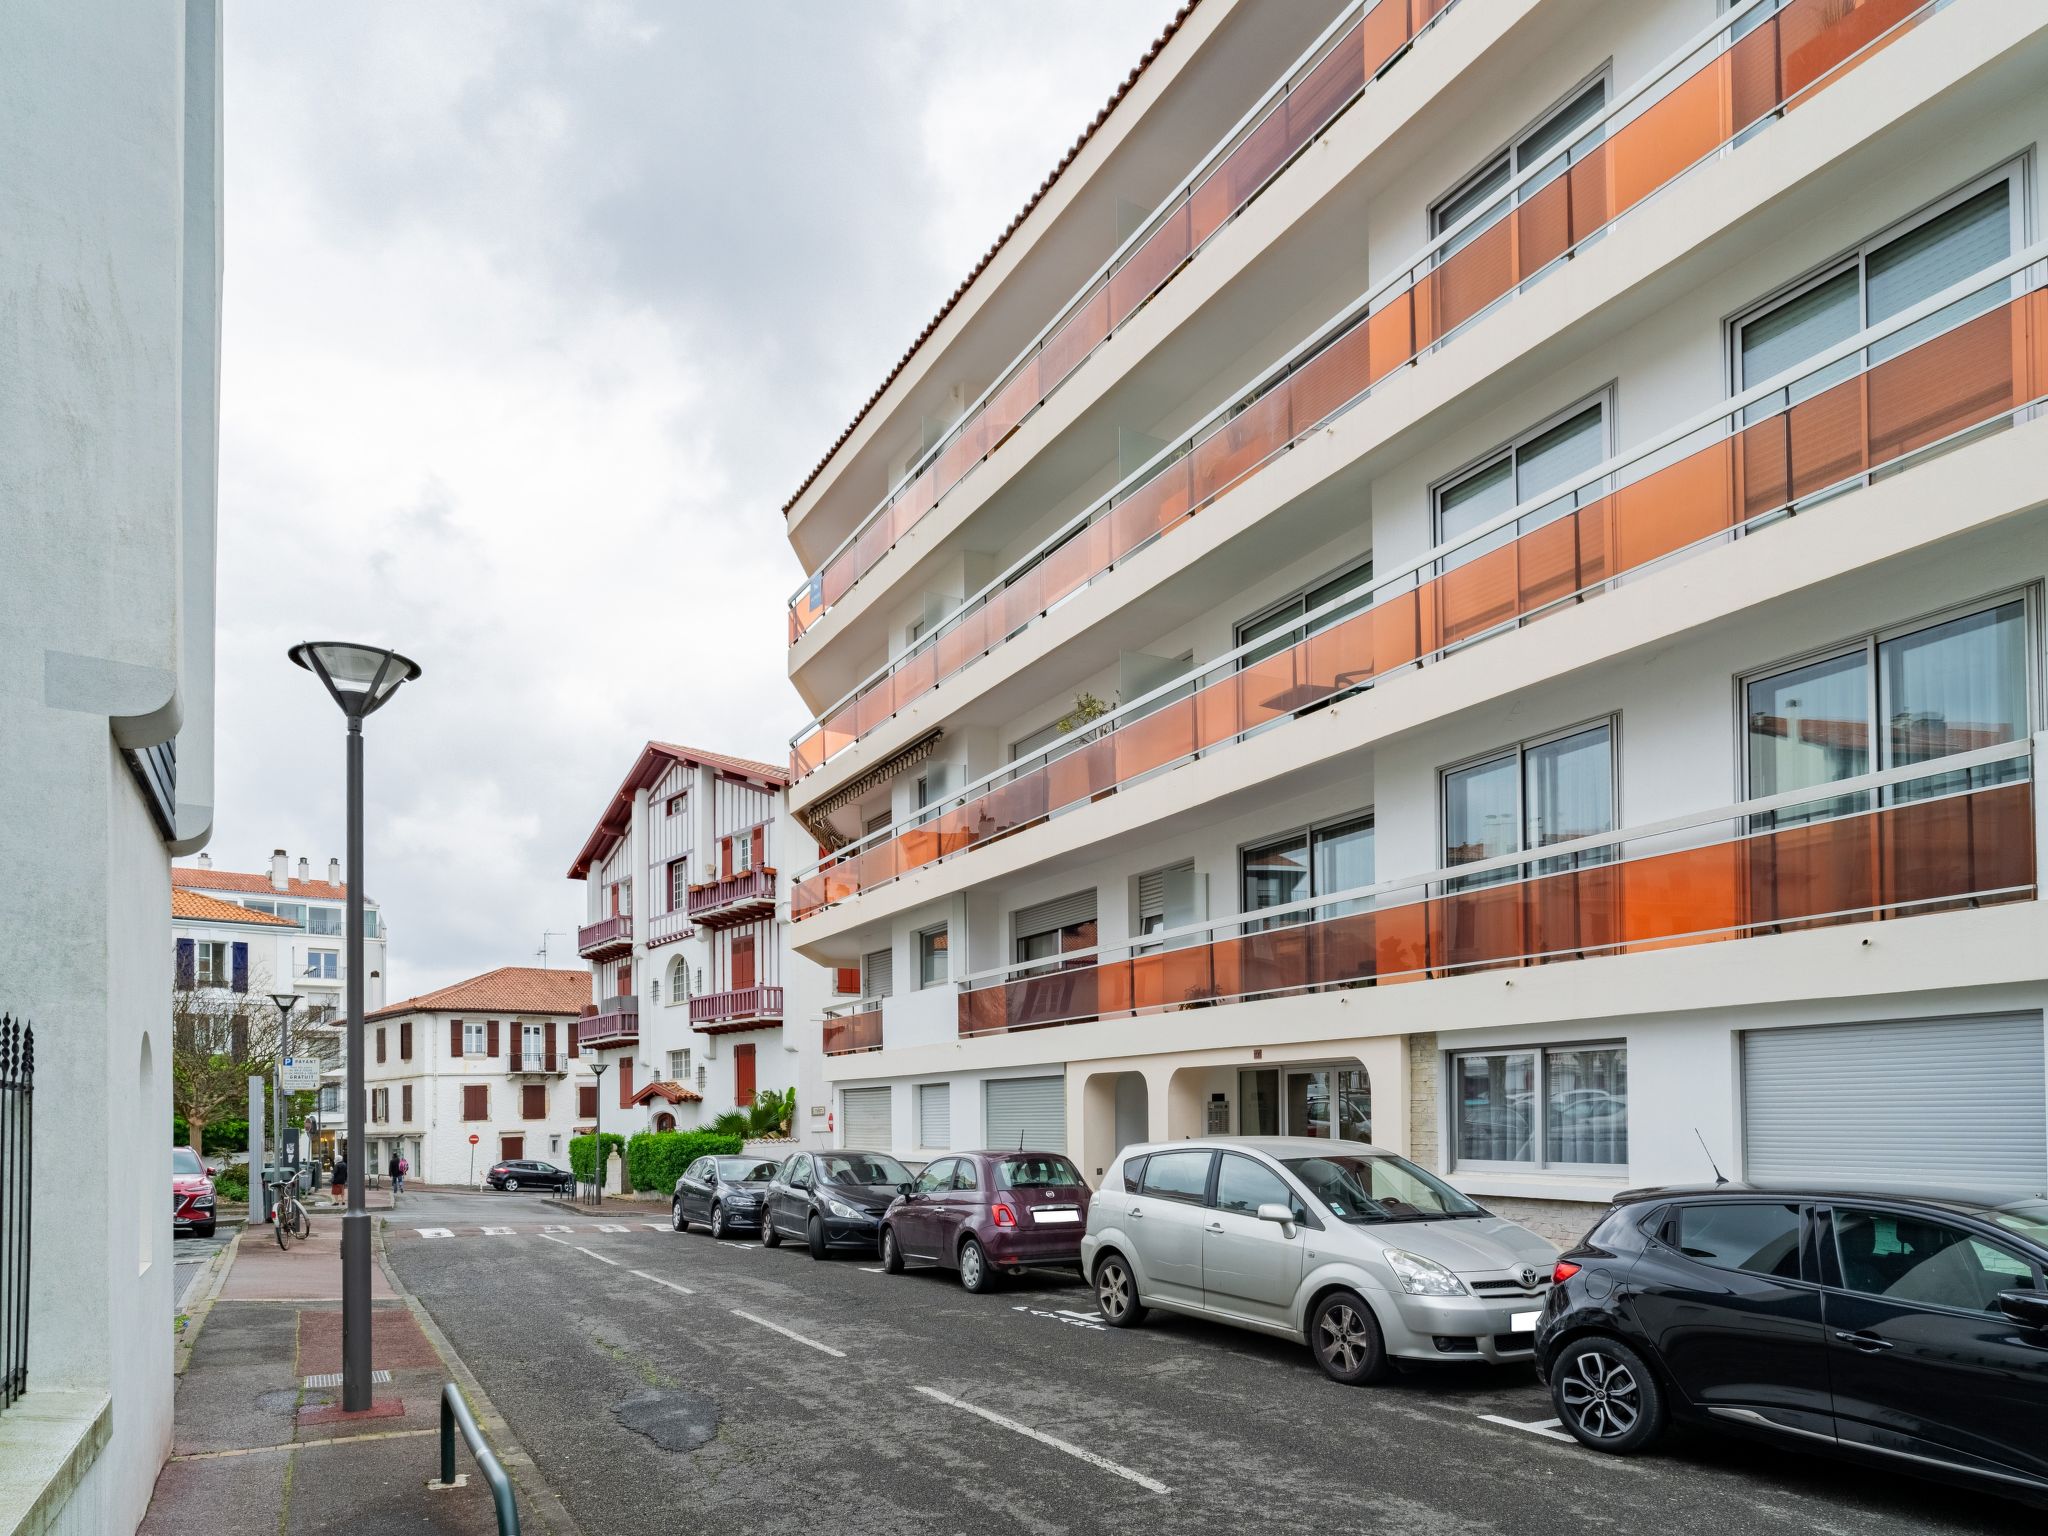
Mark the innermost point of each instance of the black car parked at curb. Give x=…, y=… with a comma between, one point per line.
x=725, y=1193
x=524, y=1173
x=832, y=1200
x=1901, y=1328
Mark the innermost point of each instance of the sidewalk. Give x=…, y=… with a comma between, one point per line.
x=261, y=1445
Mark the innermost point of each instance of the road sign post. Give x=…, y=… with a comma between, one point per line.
x=473, y=1140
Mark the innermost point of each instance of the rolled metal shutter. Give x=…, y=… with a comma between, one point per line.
x=1931, y=1102
x=935, y=1115
x=878, y=974
x=864, y=1119
x=1051, y=916
x=1030, y=1112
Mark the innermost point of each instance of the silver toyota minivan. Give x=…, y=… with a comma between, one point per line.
x=1343, y=1246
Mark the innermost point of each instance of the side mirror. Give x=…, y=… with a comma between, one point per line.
x=903, y=1189
x=2027, y=1308
x=1275, y=1212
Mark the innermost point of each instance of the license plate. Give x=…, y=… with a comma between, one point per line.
x=1051, y=1216
x=1523, y=1322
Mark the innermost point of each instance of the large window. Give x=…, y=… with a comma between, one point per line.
x=323, y=964
x=1561, y=1107
x=934, y=965
x=1054, y=928
x=1279, y=626
x=325, y=920
x=1540, y=460
x=211, y=964
x=473, y=1037
x=1316, y=861
x=1555, y=127
x=1532, y=795
x=1921, y=692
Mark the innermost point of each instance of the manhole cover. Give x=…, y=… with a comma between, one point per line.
x=672, y=1419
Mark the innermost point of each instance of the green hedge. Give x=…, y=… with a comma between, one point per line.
x=582, y=1162
x=656, y=1159
x=222, y=1136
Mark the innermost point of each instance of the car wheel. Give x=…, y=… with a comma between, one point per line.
x=511, y=1185
x=892, y=1256
x=816, y=1232
x=770, y=1238
x=1116, y=1293
x=1606, y=1395
x=676, y=1218
x=1345, y=1338
x=718, y=1221
x=975, y=1272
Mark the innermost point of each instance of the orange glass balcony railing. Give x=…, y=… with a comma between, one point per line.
x=1651, y=138
x=1925, y=846
x=1676, y=496
x=859, y=1029
x=1357, y=47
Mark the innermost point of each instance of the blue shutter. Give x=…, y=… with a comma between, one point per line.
x=187, y=964
x=241, y=965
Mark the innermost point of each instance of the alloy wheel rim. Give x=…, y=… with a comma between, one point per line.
x=1114, y=1290
x=676, y=1211
x=1601, y=1395
x=1343, y=1337
x=718, y=1221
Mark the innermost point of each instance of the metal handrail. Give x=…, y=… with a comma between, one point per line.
x=455, y=1414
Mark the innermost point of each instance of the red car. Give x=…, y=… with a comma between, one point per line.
x=191, y=1193
x=986, y=1212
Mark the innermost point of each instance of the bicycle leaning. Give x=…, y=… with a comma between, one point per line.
x=288, y=1216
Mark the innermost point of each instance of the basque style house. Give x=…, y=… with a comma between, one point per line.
x=1504, y=615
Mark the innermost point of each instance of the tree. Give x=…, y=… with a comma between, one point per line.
x=219, y=1040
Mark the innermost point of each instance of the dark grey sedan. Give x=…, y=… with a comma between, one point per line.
x=724, y=1193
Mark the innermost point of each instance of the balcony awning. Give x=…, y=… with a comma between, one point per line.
x=815, y=817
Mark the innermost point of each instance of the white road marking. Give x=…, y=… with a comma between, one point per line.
x=546, y=1230
x=433, y=1232
x=823, y=1349
x=866, y=1271
x=1116, y=1468
x=680, y=1289
x=497, y=1231
x=615, y=1264
x=1550, y=1429
x=1070, y=1319
x=609, y=1226
x=655, y=1226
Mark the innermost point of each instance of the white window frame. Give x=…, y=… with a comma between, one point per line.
x=474, y=1029
x=925, y=936
x=1453, y=1102
x=1510, y=152
x=1519, y=750
x=679, y=1066
x=316, y=964
x=1360, y=568
x=1606, y=397
x=1307, y=832
x=205, y=972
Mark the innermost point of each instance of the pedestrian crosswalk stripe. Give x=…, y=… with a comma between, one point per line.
x=497, y=1231
x=607, y=1226
x=434, y=1232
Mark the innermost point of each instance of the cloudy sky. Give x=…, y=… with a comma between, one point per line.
x=536, y=314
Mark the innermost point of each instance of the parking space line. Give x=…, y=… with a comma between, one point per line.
x=615, y=1264
x=655, y=1226
x=1131, y=1474
x=680, y=1289
x=1550, y=1429
x=823, y=1349
x=546, y=1230
x=610, y=1226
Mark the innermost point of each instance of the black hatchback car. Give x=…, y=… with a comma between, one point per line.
x=725, y=1193
x=524, y=1173
x=1904, y=1329
x=832, y=1200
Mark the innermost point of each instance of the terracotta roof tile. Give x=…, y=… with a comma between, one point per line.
x=1179, y=20
x=674, y=1092
x=774, y=773
x=195, y=878
x=511, y=989
x=210, y=909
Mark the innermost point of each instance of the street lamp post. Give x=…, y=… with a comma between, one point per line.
x=361, y=678
x=597, y=1134
x=286, y=1002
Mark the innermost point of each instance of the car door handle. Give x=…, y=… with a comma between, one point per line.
x=1870, y=1343
x=1215, y=1226
x=1137, y=1211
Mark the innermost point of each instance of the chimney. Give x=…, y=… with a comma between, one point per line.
x=334, y=871
x=206, y=861
x=278, y=880
x=302, y=867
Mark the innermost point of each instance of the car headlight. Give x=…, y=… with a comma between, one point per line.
x=843, y=1211
x=204, y=1200
x=1423, y=1277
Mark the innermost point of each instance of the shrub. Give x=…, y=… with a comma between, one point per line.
x=656, y=1159
x=232, y=1185
x=583, y=1162
x=222, y=1136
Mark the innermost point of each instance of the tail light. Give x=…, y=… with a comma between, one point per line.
x=1005, y=1217
x=1564, y=1271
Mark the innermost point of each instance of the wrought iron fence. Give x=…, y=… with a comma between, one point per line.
x=17, y=1124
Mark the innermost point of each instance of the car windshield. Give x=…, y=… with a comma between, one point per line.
x=2028, y=1218
x=1379, y=1187
x=861, y=1168
x=185, y=1160
x=739, y=1170
x=1037, y=1173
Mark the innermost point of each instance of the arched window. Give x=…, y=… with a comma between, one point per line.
x=664, y=1121
x=678, y=981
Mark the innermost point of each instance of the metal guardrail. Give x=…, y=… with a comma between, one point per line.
x=455, y=1414
x=17, y=1142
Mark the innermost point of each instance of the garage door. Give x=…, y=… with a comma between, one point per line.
x=864, y=1120
x=1027, y=1111
x=1931, y=1102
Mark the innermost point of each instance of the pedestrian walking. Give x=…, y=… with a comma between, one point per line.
x=340, y=1180
x=398, y=1170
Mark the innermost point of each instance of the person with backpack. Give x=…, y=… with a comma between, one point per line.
x=340, y=1180
x=399, y=1167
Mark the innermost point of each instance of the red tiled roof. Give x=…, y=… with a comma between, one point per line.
x=675, y=1093
x=646, y=772
x=509, y=989
x=210, y=909
x=1179, y=19
x=195, y=878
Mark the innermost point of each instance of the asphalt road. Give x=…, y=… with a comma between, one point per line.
x=668, y=1383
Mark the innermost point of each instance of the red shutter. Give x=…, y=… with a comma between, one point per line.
x=586, y=1101
x=535, y=1105
x=405, y=1103
x=575, y=1041
x=380, y=1044
x=405, y=1040
x=742, y=962
x=743, y=1075
x=550, y=1043
x=455, y=1037
x=476, y=1101
x=625, y=978
x=625, y=1082
x=491, y=1037
x=760, y=846
x=725, y=858
x=846, y=980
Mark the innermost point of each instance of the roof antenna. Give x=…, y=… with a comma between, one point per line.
x=1719, y=1177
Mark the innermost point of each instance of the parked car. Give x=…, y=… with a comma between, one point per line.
x=192, y=1194
x=981, y=1212
x=524, y=1173
x=1903, y=1328
x=725, y=1193
x=832, y=1200
x=1340, y=1245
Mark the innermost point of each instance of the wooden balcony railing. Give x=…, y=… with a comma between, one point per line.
x=744, y=1005
x=722, y=902
x=847, y=1033
x=616, y=1022
x=605, y=936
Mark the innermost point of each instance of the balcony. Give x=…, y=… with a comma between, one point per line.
x=854, y=1027
x=743, y=898
x=723, y=1013
x=1717, y=477
x=1367, y=38
x=1683, y=115
x=1779, y=864
x=668, y=927
x=616, y=1023
x=536, y=1064
x=606, y=937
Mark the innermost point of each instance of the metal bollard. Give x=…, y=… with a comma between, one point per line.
x=454, y=1412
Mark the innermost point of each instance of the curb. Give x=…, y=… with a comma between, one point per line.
x=525, y=1472
x=195, y=1320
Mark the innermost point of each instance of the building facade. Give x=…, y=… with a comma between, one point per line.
x=110, y=142
x=494, y=1057
x=307, y=940
x=1505, y=616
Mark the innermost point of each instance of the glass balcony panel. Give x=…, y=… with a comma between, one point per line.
x=1390, y=334
x=1150, y=265
x=918, y=675
x=1671, y=509
x=1018, y=803
x=1081, y=775
x=1321, y=94
x=1075, y=563
x=1547, y=564
x=1340, y=658
x=1013, y=402
x=1332, y=379
x=1345, y=950
x=1685, y=124
x=1672, y=895
x=1274, y=960
x=1962, y=376
x=984, y=1012
x=1073, y=341
x=1151, y=509
x=839, y=574
x=1543, y=226
x=956, y=829
x=1482, y=269
x=969, y=443
x=1815, y=36
x=1825, y=437
x=1269, y=689
x=1477, y=928
x=870, y=545
x=1165, y=736
x=1240, y=445
x=919, y=845
x=1478, y=595
x=1383, y=32
x=1401, y=942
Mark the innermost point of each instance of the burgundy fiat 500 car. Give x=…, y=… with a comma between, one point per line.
x=984, y=1213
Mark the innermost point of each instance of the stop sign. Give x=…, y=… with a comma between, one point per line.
x=474, y=1138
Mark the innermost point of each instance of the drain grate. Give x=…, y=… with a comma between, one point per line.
x=333, y=1379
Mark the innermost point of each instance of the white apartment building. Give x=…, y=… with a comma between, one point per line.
x=494, y=1057
x=305, y=948
x=110, y=174
x=1505, y=615
x=683, y=875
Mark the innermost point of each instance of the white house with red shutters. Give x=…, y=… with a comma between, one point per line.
x=494, y=1057
x=684, y=915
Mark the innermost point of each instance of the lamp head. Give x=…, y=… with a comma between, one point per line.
x=361, y=677
x=597, y=1068
x=286, y=1002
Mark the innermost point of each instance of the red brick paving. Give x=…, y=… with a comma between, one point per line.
x=396, y=1342
x=389, y=1408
